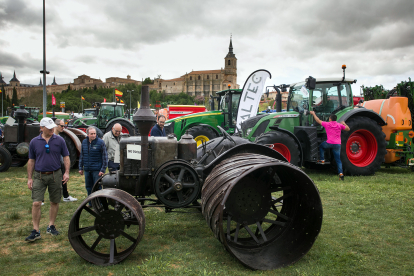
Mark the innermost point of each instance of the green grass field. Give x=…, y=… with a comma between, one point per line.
x=368, y=229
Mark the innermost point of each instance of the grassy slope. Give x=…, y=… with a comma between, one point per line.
x=367, y=230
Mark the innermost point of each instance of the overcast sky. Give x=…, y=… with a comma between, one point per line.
x=292, y=39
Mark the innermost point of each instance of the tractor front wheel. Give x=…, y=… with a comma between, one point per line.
x=202, y=133
x=282, y=143
x=5, y=159
x=363, y=147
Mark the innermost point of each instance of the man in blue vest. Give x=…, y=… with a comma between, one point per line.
x=93, y=159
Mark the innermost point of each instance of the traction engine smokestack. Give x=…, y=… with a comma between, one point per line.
x=144, y=119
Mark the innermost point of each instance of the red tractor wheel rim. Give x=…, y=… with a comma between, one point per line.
x=283, y=150
x=124, y=130
x=361, y=148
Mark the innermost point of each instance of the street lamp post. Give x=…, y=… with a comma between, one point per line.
x=129, y=113
x=44, y=72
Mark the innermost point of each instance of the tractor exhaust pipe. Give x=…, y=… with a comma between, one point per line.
x=144, y=119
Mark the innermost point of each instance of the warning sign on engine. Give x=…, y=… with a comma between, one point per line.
x=134, y=152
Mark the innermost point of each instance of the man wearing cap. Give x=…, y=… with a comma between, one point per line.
x=43, y=171
x=111, y=139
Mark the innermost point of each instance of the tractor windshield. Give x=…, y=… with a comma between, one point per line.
x=298, y=99
x=89, y=113
x=224, y=106
x=329, y=96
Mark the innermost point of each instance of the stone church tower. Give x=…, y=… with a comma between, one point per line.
x=230, y=66
x=205, y=82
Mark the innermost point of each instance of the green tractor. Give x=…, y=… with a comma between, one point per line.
x=33, y=114
x=108, y=114
x=297, y=136
x=203, y=125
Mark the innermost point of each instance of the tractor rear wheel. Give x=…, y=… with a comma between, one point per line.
x=73, y=155
x=202, y=134
x=126, y=127
x=5, y=159
x=363, y=147
x=282, y=143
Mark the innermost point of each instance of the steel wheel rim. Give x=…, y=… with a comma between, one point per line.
x=91, y=242
x=361, y=148
x=201, y=138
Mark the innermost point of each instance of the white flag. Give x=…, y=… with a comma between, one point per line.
x=252, y=92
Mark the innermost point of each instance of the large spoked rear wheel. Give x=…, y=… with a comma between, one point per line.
x=107, y=235
x=363, y=147
x=266, y=212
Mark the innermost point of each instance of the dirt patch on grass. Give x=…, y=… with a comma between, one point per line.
x=51, y=247
x=175, y=266
x=5, y=251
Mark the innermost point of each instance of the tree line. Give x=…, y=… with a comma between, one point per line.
x=73, y=98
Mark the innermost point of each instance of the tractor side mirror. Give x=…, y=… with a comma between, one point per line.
x=310, y=83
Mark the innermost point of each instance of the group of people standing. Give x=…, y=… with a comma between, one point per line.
x=49, y=164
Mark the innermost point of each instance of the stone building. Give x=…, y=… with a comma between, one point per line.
x=205, y=82
x=195, y=83
x=83, y=81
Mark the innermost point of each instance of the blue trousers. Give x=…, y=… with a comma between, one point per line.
x=336, y=149
x=90, y=179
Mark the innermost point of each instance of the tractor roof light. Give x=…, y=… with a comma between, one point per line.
x=344, y=66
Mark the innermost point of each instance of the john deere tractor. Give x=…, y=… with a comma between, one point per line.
x=108, y=115
x=297, y=136
x=203, y=125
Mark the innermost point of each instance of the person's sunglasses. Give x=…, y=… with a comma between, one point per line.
x=62, y=126
x=47, y=148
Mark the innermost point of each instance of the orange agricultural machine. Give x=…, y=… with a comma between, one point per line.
x=397, y=112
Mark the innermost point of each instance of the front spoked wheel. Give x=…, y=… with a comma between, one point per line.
x=107, y=235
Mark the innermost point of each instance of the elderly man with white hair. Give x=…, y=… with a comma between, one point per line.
x=111, y=139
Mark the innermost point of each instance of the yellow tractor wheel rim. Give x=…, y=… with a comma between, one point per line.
x=200, y=138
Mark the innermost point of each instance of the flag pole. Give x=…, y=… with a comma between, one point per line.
x=82, y=103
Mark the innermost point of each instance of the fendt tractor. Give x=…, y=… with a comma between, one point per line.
x=265, y=211
x=374, y=137
x=14, y=149
x=108, y=115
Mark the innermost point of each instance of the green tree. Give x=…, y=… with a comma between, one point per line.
x=15, y=101
x=147, y=81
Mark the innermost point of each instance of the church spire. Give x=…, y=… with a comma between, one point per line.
x=40, y=84
x=230, y=53
x=1, y=79
x=54, y=81
x=14, y=77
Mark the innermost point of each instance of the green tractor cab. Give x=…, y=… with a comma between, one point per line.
x=203, y=126
x=108, y=114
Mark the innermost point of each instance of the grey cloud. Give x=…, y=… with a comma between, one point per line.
x=24, y=13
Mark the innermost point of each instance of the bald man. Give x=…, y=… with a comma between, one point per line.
x=111, y=140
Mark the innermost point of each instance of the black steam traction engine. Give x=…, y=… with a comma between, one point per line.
x=266, y=212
